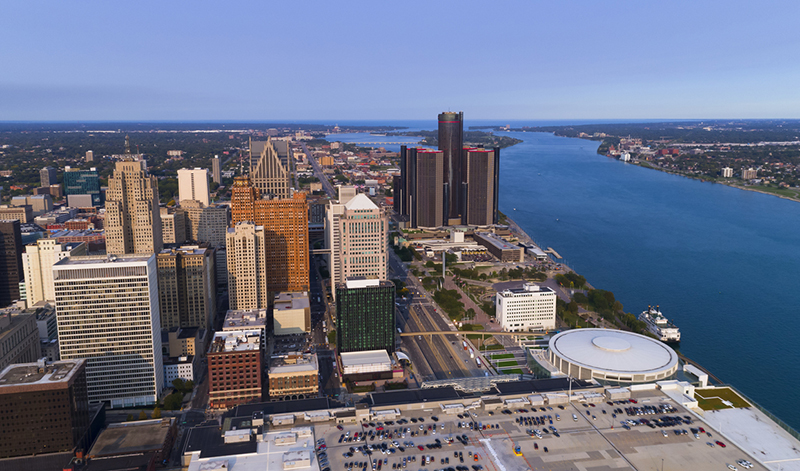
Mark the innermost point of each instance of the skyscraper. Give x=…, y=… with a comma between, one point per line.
x=37, y=264
x=365, y=315
x=173, y=225
x=89, y=156
x=193, y=185
x=269, y=175
x=83, y=182
x=48, y=176
x=206, y=224
x=186, y=287
x=285, y=223
x=357, y=233
x=216, y=171
x=108, y=313
x=133, y=219
x=10, y=261
x=451, y=186
x=247, y=266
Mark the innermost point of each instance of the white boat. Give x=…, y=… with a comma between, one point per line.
x=660, y=326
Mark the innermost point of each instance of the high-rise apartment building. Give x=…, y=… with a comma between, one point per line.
x=365, y=315
x=173, y=225
x=285, y=223
x=37, y=266
x=133, y=219
x=247, y=267
x=83, y=182
x=193, y=185
x=48, y=176
x=454, y=185
x=10, y=261
x=357, y=233
x=727, y=172
x=749, y=173
x=49, y=405
x=108, y=314
x=216, y=170
x=186, y=287
x=234, y=368
x=206, y=224
x=268, y=173
x=89, y=156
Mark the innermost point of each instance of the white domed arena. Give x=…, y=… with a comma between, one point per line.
x=612, y=356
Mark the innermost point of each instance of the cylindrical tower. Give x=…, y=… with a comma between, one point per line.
x=451, y=142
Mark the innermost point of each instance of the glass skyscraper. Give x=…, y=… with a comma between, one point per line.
x=365, y=315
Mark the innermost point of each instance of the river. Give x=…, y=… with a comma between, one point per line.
x=722, y=263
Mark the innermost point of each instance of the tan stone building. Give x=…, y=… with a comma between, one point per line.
x=268, y=172
x=291, y=313
x=186, y=287
x=173, y=225
x=19, y=336
x=133, y=218
x=23, y=214
x=206, y=224
x=293, y=376
x=37, y=265
x=247, y=267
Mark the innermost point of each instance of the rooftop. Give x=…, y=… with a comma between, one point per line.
x=235, y=341
x=242, y=319
x=360, y=201
x=132, y=437
x=58, y=373
x=497, y=241
x=291, y=300
x=365, y=358
x=103, y=260
x=185, y=250
x=293, y=364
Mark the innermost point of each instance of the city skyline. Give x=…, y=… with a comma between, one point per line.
x=542, y=61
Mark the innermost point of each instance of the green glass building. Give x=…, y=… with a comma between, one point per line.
x=365, y=315
x=83, y=182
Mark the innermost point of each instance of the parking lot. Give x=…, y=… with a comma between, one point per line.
x=591, y=440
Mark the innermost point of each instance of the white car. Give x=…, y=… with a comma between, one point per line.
x=732, y=467
x=744, y=464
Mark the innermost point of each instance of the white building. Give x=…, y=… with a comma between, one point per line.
x=107, y=312
x=356, y=232
x=247, y=267
x=531, y=307
x=193, y=185
x=179, y=367
x=727, y=172
x=37, y=264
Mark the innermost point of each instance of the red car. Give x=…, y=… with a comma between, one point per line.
x=340, y=427
x=365, y=425
x=379, y=429
x=421, y=448
x=720, y=443
x=634, y=401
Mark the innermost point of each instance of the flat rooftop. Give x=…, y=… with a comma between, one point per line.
x=242, y=319
x=235, y=341
x=286, y=407
x=542, y=386
x=286, y=364
x=365, y=358
x=31, y=373
x=497, y=241
x=132, y=437
x=102, y=260
x=409, y=396
x=291, y=300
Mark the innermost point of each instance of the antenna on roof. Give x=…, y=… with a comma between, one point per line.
x=127, y=144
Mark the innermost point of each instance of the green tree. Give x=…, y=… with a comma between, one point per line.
x=332, y=337
x=130, y=418
x=173, y=401
x=179, y=384
x=156, y=413
x=142, y=415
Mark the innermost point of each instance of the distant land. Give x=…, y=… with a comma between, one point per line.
x=477, y=138
x=754, y=155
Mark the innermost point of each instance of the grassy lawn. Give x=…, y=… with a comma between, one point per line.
x=787, y=192
x=502, y=356
x=507, y=363
x=494, y=347
x=470, y=327
x=512, y=371
x=711, y=399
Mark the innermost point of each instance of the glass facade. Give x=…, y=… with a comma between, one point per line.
x=83, y=182
x=365, y=317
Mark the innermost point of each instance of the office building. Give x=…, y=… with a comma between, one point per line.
x=530, y=308
x=183, y=367
x=356, y=233
x=186, y=287
x=19, y=336
x=107, y=311
x=234, y=368
x=89, y=156
x=285, y=223
x=193, y=185
x=291, y=314
x=365, y=315
x=293, y=376
x=183, y=341
x=420, y=195
x=268, y=173
x=247, y=267
x=501, y=249
x=452, y=186
x=37, y=266
x=216, y=171
x=173, y=225
x=133, y=218
x=83, y=182
x=48, y=176
x=10, y=261
x=206, y=224
x=451, y=143
x=46, y=408
x=23, y=214
x=40, y=204
x=481, y=174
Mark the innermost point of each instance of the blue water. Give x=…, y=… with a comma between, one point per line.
x=722, y=263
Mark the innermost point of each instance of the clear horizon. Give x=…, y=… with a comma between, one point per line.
x=253, y=61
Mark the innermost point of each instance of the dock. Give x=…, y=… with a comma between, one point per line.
x=552, y=251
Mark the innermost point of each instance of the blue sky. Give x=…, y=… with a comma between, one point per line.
x=238, y=60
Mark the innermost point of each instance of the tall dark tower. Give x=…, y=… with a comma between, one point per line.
x=451, y=142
